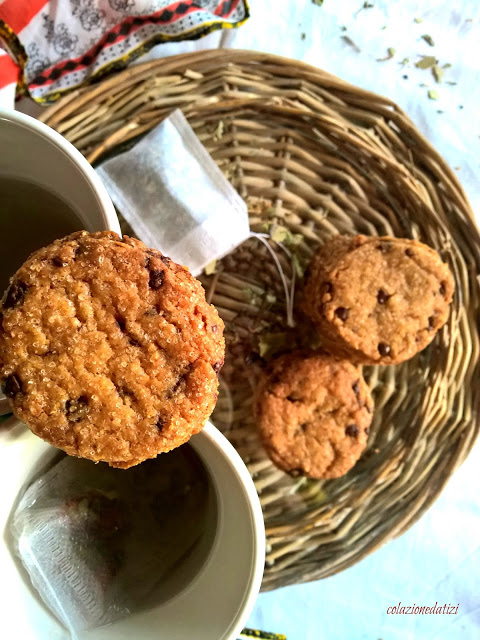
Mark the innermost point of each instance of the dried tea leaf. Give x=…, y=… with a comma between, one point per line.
x=426, y=62
x=278, y=233
x=428, y=39
x=270, y=298
x=432, y=94
x=211, y=268
x=391, y=52
x=297, y=265
x=253, y=295
x=437, y=73
x=418, y=20
x=219, y=131
x=351, y=43
x=270, y=343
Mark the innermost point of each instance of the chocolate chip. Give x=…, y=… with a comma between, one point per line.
x=177, y=386
x=409, y=253
x=122, y=323
x=342, y=313
x=156, y=279
x=214, y=328
x=161, y=423
x=252, y=357
x=147, y=262
x=431, y=323
x=165, y=260
x=384, y=349
x=352, y=430
x=356, y=388
x=382, y=296
x=59, y=261
x=134, y=342
x=153, y=311
x=293, y=398
x=217, y=366
x=295, y=473
x=384, y=247
x=77, y=409
x=15, y=294
x=304, y=426
x=327, y=287
x=442, y=289
x=12, y=385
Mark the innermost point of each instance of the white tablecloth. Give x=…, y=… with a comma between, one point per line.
x=438, y=560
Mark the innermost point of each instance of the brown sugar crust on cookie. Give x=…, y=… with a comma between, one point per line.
x=109, y=350
x=313, y=413
x=377, y=300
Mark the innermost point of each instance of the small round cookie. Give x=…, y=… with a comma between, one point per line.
x=313, y=413
x=109, y=350
x=377, y=300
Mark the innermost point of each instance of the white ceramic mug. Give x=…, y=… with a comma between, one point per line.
x=33, y=152
x=218, y=586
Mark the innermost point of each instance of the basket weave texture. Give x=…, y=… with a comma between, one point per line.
x=314, y=156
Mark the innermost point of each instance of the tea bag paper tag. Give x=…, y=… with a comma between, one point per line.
x=176, y=199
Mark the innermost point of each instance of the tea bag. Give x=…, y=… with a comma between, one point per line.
x=98, y=543
x=175, y=198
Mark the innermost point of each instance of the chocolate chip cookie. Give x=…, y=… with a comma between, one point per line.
x=377, y=300
x=313, y=413
x=108, y=349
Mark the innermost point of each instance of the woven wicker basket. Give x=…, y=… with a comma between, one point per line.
x=316, y=156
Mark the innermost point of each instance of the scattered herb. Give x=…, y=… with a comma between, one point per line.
x=351, y=43
x=270, y=343
x=447, y=66
x=405, y=77
x=303, y=36
x=318, y=2
x=211, y=268
x=426, y=62
x=460, y=106
x=432, y=94
x=418, y=20
x=365, y=5
x=437, y=73
x=344, y=28
x=384, y=27
x=391, y=52
x=422, y=84
x=440, y=111
x=405, y=61
x=451, y=83
x=457, y=168
x=428, y=39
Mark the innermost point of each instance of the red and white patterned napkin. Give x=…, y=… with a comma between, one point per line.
x=53, y=46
